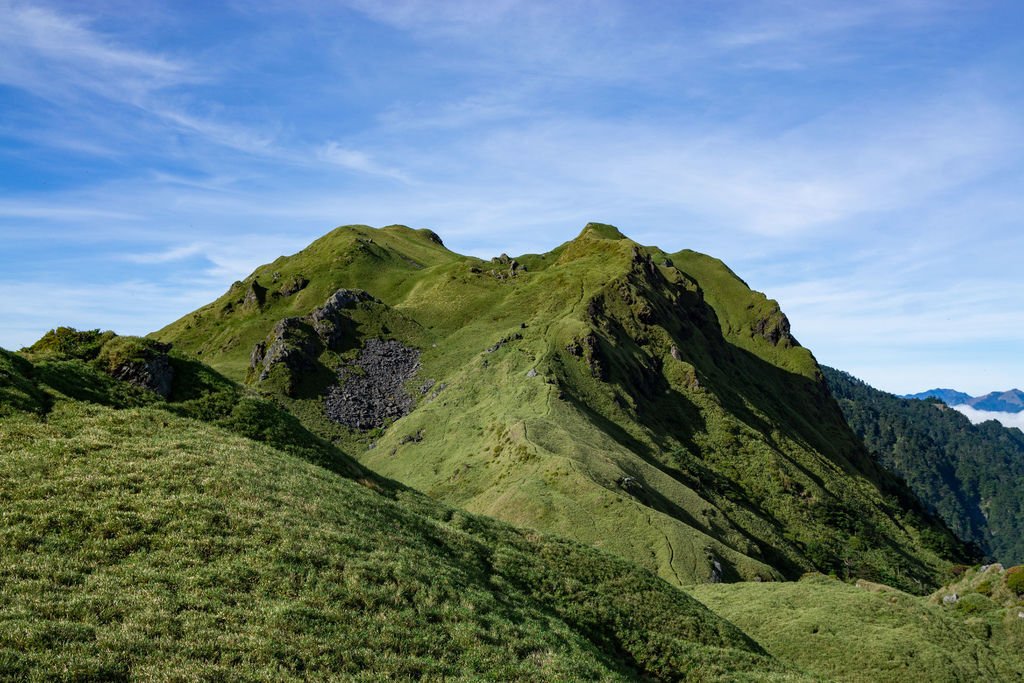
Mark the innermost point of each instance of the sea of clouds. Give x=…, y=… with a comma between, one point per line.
x=1007, y=419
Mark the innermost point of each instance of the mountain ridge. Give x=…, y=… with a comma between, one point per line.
x=551, y=389
x=162, y=519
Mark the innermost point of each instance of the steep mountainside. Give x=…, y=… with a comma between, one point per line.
x=971, y=475
x=206, y=536
x=647, y=403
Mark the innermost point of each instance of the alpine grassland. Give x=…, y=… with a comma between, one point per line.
x=870, y=632
x=646, y=403
x=378, y=459
x=146, y=538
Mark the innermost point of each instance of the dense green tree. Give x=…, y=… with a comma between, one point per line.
x=970, y=475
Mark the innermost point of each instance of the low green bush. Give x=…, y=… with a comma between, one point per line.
x=975, y=603
x=67, y=343
x=1015, y=579
x=118, y=351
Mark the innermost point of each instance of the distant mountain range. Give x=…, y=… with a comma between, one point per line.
x=1011, y=401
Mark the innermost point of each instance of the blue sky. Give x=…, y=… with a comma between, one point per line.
x=861, y=162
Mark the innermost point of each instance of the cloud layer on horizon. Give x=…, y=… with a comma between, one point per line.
x=979, y=416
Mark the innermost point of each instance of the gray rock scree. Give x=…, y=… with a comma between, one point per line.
x=371, y=389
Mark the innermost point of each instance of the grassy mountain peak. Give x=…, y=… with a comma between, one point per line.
x=647, y=403
x=601, y=231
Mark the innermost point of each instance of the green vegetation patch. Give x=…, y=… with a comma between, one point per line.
x=972, y=476
x=870, y=632
x=18, y=389
x=138, y=544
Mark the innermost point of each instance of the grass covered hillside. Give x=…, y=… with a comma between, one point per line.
x=971, y=475
x=152, y=538
x=646, y=403
x=868, y=632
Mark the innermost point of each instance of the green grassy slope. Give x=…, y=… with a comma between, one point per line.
x=140, y=544
x=971, y=475
x=646, y=403
x=869, y=632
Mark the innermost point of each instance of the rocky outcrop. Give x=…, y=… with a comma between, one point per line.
x=588, y=348
x=293, y=285
x=371, y=389
x=506, y=267
x=327, y=320
x=152, y=371
x=775, y=328
x=255, y=296
x=503, y=341
x=297, y=343
x=292, y=343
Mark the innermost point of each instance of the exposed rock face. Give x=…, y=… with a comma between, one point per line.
x=298, y=342
x=153, y=372
x=292, y=342
x=256, y=295
x=716, y=572
x=641, y=262
x=293, y=286
x=589, y=349
x=514, y=267
x=775, y=328
x=504, y=340
x=371, y=390
x=326, y=320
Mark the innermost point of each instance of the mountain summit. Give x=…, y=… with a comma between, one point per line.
x=645, y=402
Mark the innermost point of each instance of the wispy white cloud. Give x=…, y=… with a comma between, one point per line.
x=810, y=176
x=357, y=160
x=57, y=56
x=802, y=23
x=50, y=210
x=166, y=255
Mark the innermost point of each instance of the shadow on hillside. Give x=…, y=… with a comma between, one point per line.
x=783, y=407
